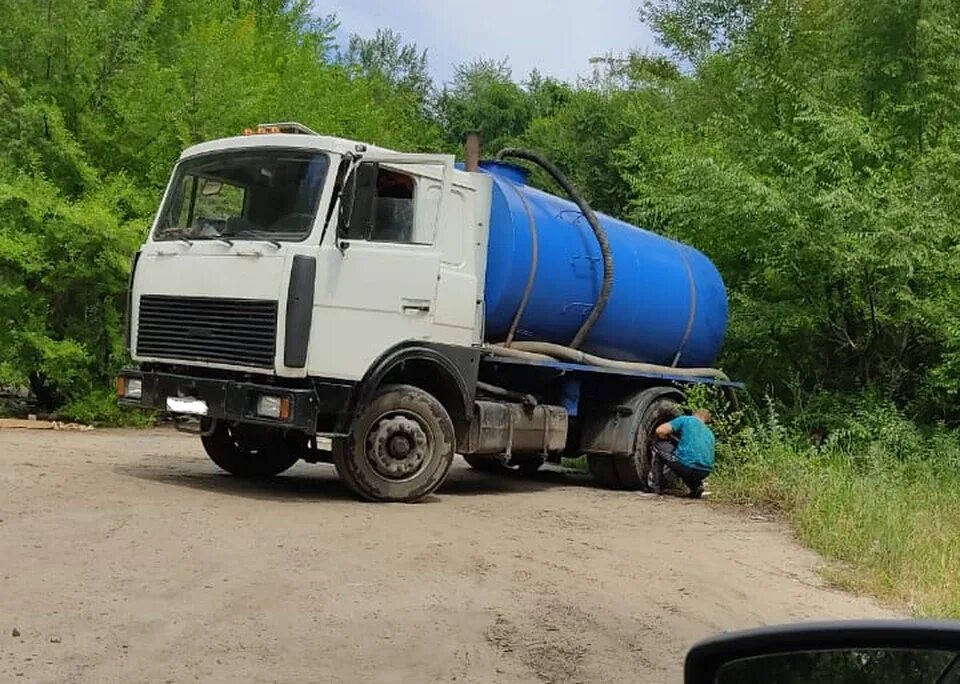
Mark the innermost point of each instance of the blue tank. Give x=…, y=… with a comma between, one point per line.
x=668, y=304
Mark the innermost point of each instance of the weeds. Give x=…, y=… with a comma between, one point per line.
x=102, y=409
x=878, y=494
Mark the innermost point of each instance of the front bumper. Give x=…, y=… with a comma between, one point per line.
x=322, y=404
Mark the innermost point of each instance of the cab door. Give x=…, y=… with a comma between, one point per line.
x=377, y=280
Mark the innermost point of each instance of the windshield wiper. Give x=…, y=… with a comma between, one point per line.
x=228, y=243
x=255, y=235
x=175, y=235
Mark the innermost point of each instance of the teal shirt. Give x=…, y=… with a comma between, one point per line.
x=695, y=449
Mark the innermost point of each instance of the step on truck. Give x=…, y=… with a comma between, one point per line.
x=304, y=297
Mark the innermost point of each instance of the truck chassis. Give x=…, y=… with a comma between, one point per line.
x=395, y=432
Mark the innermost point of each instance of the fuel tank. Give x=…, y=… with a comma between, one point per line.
x=668, y=304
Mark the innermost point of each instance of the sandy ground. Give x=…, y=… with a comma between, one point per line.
x=128, y=557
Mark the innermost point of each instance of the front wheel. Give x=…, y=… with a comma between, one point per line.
x=252, y=451
x=401, y=446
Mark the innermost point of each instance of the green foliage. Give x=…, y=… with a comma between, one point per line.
x=880, y=496
x=695, y=29
x=385, y=55
x=483, y=97
x=98, y=100
x=100, y=407
x=64, y=266
x=811, y=149
x=812, y=154
x=581, y=135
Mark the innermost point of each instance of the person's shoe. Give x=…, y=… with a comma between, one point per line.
x=696, y=492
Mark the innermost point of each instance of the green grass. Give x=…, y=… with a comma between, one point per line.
x=882, y=498
x=579, y=463
x=878, y=496
x=101, y=408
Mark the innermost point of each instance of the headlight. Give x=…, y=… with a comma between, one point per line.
x=134, y=389
x=269, y=406
x=129, y=388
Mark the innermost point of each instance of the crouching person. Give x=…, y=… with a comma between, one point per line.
x=685, y=446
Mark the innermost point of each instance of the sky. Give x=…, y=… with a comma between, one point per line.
x=557, y=37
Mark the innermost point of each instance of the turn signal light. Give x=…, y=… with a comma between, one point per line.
x=270, y=406
x=262, y=130
x=129, y=388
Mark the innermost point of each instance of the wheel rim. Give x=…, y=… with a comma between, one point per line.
x=398, y=445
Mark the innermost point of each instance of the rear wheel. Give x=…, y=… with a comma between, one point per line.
x=603, y=470
x=630, y=471
x=250, y=450
x=633, y=469
x=401, y=446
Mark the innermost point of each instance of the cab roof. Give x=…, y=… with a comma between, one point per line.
x=289, y=140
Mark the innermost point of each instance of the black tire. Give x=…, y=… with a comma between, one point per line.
x=252, y=451
x=485, y=464
x=603, y=470
x=632, y=470
x=400, y=448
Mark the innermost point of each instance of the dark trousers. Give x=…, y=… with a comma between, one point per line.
x=663, y=455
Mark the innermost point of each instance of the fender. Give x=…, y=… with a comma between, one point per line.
x=458, y=368
x=615, y=434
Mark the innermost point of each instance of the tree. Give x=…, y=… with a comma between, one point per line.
x=484, y=98
x=812, y=154
x=99, y=98
x=403, y=65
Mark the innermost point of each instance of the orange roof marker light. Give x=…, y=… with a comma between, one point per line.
x=285, y=127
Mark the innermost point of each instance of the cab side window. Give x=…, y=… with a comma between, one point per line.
x=379, y=205
x=393, y=208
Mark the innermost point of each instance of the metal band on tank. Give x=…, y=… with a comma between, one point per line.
x=534, y=259
x=693, y=306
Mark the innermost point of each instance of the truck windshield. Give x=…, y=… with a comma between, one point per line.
x=249, y=195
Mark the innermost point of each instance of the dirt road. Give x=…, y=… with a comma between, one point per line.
x=127, y=557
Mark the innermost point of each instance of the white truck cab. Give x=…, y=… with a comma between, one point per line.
x=363, y=247
x=288, y=278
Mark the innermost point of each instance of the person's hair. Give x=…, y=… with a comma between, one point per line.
x=703, y=414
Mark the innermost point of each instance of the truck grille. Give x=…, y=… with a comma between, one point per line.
x=240, y=332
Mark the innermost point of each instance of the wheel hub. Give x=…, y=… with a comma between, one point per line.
x=397, y=447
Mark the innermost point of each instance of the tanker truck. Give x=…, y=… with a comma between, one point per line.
x=305, y=297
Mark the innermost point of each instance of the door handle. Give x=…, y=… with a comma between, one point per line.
x=415, y=305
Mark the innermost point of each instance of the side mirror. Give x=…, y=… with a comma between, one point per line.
x=209, y=188
x=878, y=652
x=356, y=203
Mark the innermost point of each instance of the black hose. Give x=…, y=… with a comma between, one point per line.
x=494, y=391
x=577, y=198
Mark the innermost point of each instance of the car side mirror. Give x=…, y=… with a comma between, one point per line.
x=878, y=652
x=209, y=188
x=356, y=204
